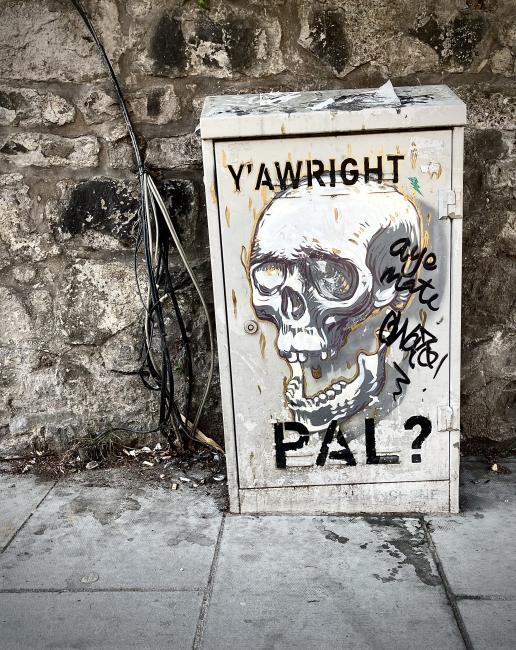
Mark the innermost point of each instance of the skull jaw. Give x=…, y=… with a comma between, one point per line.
x=341, y=400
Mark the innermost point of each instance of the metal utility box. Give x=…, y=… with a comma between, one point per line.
x=335, y=225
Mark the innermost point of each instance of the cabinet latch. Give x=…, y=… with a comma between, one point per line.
x=449, y=204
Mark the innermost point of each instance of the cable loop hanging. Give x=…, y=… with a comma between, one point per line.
x=155, y=234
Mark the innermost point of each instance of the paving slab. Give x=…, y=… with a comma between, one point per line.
x=112, y=533
x=476, y=547
x=490, y=623
x=111, y=621
x=327, y=582
x=19, y=497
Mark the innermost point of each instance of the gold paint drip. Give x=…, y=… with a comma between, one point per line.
x=422, y=317
x=263, y=343
x=413, y=155
x=244, y=258
x=235, y=305
x=227, y=215
x=213, y=194
x=336, y=214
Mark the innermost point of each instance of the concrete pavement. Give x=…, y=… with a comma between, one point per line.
x=106, y=560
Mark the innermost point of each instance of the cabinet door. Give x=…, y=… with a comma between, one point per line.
x=337, y=292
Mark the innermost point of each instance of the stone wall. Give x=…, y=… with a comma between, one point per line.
x=70, y=312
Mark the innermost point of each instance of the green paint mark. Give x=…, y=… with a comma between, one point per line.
x=415, y=184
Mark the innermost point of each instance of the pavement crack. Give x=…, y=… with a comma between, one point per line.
x=452, y=599
x=203, y=614
x=9, y=541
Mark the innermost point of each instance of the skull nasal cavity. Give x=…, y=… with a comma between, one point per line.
x=292, y=304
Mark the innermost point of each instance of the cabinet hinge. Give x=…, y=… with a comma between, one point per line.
x=450, y=202
x=445, y=418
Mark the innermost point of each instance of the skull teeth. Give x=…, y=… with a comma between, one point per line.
x=294, y=356
x=328, y=395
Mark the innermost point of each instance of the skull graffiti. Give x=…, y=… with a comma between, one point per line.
x=317, y=259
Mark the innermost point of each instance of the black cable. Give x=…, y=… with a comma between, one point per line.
x=136, y=150
x=157, y=377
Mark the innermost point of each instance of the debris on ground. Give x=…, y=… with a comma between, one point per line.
x=199, y=469
x=500, y=469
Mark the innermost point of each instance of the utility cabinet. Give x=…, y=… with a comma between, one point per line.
x=335, y=223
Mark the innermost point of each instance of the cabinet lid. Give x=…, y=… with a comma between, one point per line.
x=331, y=111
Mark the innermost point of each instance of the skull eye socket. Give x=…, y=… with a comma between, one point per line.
x=269, y=276
x=334, y=281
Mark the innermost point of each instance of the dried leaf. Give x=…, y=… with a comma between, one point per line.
x=201, y=437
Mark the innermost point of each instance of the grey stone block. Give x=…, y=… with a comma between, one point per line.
x=42, y=41
x=45, y=150
x=174, y=153
x=27, y=107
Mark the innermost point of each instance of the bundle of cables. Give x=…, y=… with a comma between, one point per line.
x=155, y=234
